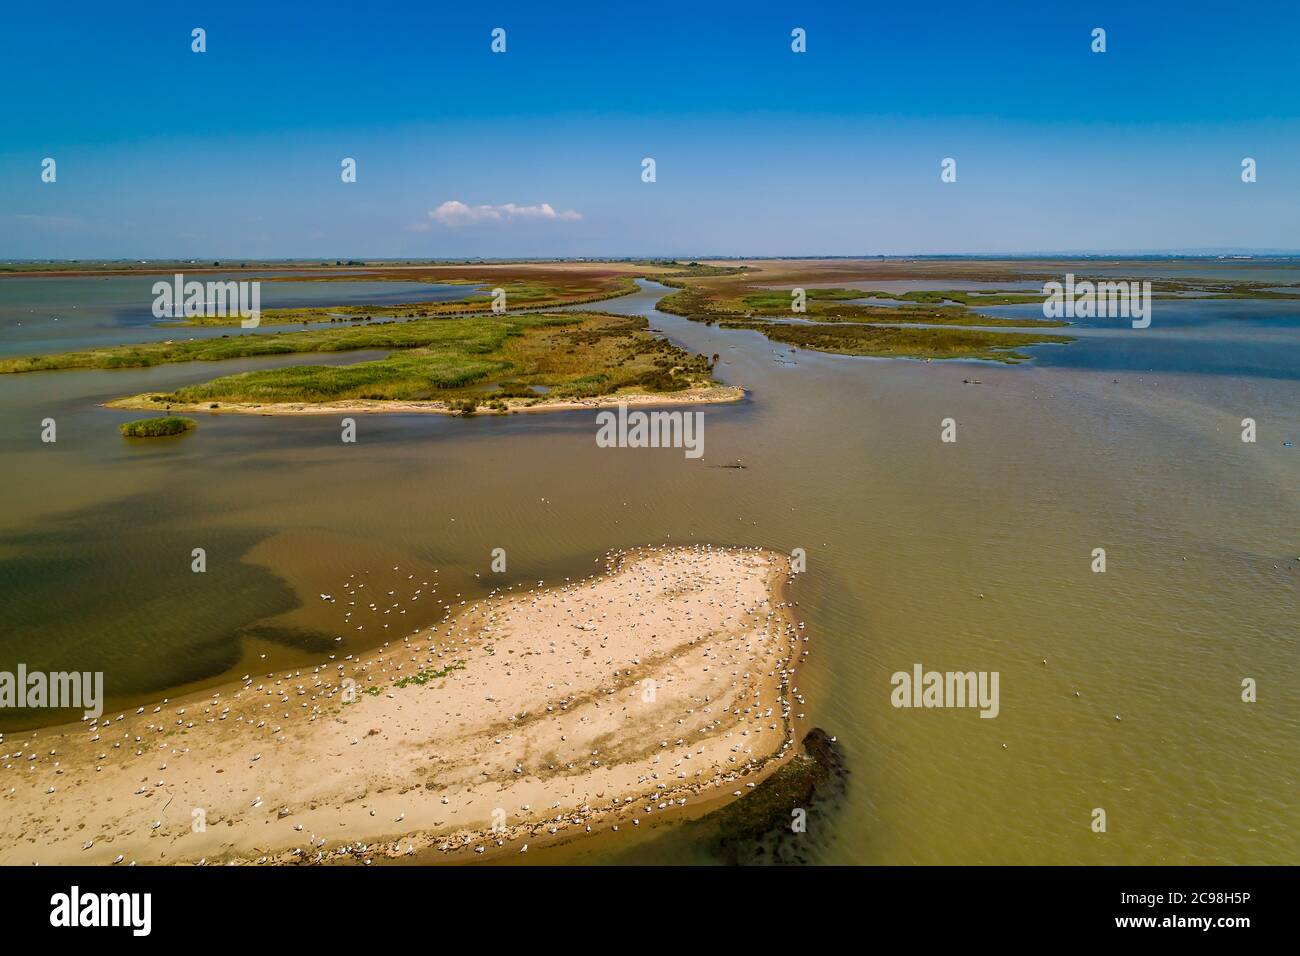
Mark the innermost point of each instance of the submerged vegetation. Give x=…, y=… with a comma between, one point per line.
x=757, y=829
x=156, y=427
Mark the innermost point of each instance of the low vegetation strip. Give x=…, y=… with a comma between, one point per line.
x=156, y=427
x=519, y=295
x=472, y=335
x=900, y=342
x=526, y=286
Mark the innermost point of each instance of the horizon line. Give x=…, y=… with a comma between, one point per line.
x=1219, y=253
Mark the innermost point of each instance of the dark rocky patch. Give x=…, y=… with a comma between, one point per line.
x=759, y=828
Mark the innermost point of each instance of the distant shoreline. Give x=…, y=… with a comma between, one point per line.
x=71, y=268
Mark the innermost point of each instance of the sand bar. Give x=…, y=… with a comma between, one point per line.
x=715, y=394
x=526, y=718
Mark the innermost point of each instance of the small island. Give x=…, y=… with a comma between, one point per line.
x=156, y=427
x=495, y=364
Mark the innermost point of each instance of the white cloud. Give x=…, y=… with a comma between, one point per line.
x=455, y=213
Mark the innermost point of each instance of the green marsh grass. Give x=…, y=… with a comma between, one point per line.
x=156, y=427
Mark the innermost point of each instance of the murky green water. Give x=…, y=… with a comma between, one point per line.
x=1086, y=448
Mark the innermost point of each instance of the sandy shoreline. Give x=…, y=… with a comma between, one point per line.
x=715, y=394
x=530, y=717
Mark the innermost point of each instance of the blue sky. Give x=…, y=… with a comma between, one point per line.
x=760, y=151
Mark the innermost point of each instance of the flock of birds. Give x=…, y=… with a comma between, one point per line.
x=124, y=744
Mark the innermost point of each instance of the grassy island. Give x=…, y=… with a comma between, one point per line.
x=156, y=427
x=462, y=365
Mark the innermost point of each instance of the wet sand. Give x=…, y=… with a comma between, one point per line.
x=524, y=719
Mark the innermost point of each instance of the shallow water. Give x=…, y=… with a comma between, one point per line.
x=39, y=315
x=965, y=556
